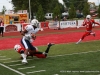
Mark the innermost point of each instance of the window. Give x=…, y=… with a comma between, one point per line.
x=16, y=18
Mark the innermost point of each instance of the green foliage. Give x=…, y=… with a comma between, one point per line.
x=3, y=10
x=40, y=14
x=47, y=5
x=72, y=12
x=86, y=10
x=57, y=12
x=78, y=4
x=99, y=11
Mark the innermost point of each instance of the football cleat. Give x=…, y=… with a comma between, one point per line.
x=93, y=34
x=24, y=61
x=50, y=44
x=77, y=42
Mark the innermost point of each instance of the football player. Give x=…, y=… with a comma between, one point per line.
x=38, y=54
x=88, y=23
x=27, y=38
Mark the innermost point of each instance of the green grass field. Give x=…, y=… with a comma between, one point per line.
x=63, y=59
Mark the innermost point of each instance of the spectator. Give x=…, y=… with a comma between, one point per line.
x=64, y=18
x=1, y=28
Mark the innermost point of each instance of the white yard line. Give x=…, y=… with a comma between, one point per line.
x=57, y=55
x=75, y=53
x=2, y=56
x=36, y=71
x=56, y=74
x=5, y=59
x=12, y=69
x=16, y=61
x=26, y=67
x=16, y=65
x=12, y=61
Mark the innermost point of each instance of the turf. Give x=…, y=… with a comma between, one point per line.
x=63, y=59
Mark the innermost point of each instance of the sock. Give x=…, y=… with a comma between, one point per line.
x=24, y=56
x=45, y=53
x=47, y=50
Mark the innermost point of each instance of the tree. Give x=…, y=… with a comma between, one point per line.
x=72, y=12
x=78, y=4
x=99, y=11
x=47, y=5
x=57, y=12
x=40, y=14
x=3, y=10
x=86, y=10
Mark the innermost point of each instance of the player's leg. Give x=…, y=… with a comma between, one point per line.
x=93, y=33
x=2, y=29
x=22, y=54
x=32, y=50
x=26, y=44
x=84, y=35
x=48, y=48
x=46, y=51
x=43, y=54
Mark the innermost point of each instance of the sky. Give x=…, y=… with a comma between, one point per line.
x=8, y=5
x=96, y=1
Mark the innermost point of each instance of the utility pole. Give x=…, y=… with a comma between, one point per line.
x=29, y=11
x=98, y=1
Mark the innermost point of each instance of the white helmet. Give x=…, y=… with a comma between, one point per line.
x=34, y=22
x=16, y=47
x=88, y=17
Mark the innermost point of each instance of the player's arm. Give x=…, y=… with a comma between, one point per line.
x=95, y=22
x=23, y=32
x=84, y=23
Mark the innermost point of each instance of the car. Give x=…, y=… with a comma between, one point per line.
x=48, y=15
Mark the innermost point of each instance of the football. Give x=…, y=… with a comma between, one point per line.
x=33, y=36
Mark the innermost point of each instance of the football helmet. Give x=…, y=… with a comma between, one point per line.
x=16, y=47
x=34, y=22
x=88, y=17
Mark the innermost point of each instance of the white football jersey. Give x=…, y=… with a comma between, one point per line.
x=30, y=30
